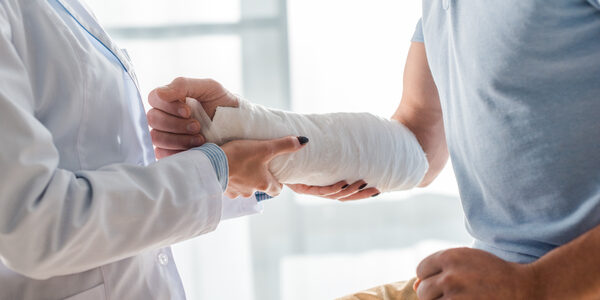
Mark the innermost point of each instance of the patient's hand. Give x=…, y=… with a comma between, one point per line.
x=174, y=130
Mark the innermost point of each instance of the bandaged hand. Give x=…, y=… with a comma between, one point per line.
x=174, y=131
x=350, y=146
x=345, y=146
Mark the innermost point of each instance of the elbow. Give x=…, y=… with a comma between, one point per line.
x=436, y=165
x=425, y=182
x=429, y=176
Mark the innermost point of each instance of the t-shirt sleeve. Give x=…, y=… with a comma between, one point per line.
x=418, y=35
x=595, y=3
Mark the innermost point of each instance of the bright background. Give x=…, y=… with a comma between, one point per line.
x=308, y=56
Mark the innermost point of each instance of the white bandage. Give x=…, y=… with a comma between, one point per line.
x=343, y=146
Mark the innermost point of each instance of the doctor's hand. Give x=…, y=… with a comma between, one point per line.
x=249, y=164
x=173, y=128
x=342, y=191
x=465, y=273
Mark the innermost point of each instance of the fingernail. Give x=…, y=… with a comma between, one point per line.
x=364, y=185
x=183, y=112
x=193, y=127
x=345, y=186
x=197, y=141
x=303, y=140
x=375, y=195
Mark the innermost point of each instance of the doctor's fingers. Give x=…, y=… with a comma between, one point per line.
x=350, y=190
x=363, y=194
x=162, y=153
x=175, y=107
x=163, y=121
x=171, y=141
x=319, y=190
x=200, y=89
x=233, y=193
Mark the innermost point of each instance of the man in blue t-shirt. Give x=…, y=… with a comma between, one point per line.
x=511, y=91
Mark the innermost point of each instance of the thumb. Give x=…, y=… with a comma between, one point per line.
x=285, y=145
x=181, y=88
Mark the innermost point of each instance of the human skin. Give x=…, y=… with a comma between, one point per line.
x=174, y=130
x=571, y=271
x=247, y=159
x=248, y=165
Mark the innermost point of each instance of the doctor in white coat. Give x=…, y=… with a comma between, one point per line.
x=85, y=211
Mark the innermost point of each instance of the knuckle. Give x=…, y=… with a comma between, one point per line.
x=420, y=270
x=266, y=149
x=152, y=117
x=179, y=84
x=192, y=141
x=292, y=141
x=158, y=153
x=152, y=98
x=179, y=80
x=448, y=279
x=155, y=135
x=213, y=84
x=447, y=256
x=263, y=187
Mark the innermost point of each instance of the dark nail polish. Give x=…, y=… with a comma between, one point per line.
x=375, y=195
x=303, y=140
x=364, y=185
x=345, y=186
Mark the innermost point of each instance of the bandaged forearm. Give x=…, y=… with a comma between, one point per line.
x=343, y=146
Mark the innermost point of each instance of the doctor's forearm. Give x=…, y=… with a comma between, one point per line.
x=86, y=219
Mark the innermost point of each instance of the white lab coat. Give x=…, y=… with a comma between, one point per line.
x=85, y=212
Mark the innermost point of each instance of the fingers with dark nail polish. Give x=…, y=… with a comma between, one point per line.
x=303, y=140
x=364, y=185
x=345, y=186
x=376, y=195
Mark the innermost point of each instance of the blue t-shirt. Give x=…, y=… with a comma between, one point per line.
x=519, y=84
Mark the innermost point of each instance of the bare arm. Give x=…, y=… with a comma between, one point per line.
x=568, y=272
x=571, y=271
x=421, y=112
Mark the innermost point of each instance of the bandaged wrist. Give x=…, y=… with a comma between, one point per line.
x=343, y=146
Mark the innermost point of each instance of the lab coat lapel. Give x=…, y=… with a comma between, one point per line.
x=89, y=23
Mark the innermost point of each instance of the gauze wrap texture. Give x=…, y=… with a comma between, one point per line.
x=343, y=146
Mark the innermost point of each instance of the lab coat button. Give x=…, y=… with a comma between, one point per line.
x=163, y=259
